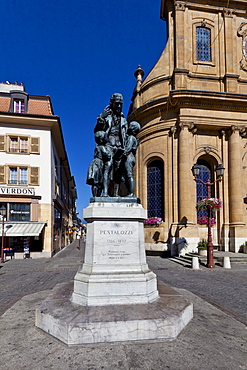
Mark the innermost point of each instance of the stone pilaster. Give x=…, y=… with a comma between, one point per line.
x=179, y=19
x=235, y=190
x=231, y=75
x=235, y=170
x=185, y=179
x=180, y=72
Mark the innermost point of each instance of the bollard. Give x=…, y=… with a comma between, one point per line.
x=195, y=263
x=226, y=263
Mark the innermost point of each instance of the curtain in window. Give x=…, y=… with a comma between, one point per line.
x=23, y=145
x=13, y=145
x=19, y=106
x=13, y=175
x=23, y=176
x=155, y=189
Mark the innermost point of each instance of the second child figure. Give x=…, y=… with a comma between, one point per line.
x=131, y=146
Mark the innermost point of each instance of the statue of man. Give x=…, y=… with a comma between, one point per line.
x=115, y=126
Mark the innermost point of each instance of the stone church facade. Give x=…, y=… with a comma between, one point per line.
x=192, y=108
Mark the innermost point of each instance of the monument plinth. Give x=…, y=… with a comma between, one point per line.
x=115, y=270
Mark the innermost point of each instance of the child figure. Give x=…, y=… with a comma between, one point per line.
x=95, y=173
x=130, y=148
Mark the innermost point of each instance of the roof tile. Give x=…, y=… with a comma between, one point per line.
x=39, y=106
x=4, y=103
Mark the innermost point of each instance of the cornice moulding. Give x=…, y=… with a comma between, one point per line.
x=191, y=98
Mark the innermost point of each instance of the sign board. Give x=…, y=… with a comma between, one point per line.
x=16, y=191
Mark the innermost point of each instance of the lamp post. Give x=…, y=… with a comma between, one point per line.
x=219, y=173
x=2, y=214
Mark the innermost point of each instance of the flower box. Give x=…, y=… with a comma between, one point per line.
x=153, y=221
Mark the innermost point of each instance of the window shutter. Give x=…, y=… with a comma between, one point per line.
x=34, y=145
x=34, y=176
x=2, y=143
x=2, y=175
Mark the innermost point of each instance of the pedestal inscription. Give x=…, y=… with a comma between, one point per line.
x=116, y=242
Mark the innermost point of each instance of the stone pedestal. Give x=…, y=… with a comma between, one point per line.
x=115, y=269
x=114, y=297
x=76, y=325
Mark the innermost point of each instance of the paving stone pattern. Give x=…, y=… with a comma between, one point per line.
x=22, y=277
x=212, y=340
x=225, y=289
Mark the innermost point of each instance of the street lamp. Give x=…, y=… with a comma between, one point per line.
x=219, y=173
x=2, y=214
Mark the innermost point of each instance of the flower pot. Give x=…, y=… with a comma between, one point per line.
x=202, y=252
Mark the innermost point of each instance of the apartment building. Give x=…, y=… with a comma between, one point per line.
x=37, y=190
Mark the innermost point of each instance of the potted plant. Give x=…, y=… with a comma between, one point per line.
x=212, y=204
x=243, y=248
x=202, y=248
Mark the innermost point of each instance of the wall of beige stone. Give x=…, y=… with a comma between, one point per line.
x=222, y=74
x=46, y=215
x=180, y=128
x=207, y=142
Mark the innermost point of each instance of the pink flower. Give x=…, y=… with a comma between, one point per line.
x=153, y=221
x=204, y=221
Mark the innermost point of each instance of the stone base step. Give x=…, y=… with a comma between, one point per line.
x=186, y=260
x=219, y=255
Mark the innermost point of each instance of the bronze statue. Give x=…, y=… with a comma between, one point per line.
x=114, y=156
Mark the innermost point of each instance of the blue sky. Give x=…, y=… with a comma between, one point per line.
x=79, y=52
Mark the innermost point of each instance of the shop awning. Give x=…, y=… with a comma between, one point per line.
x=22, y=228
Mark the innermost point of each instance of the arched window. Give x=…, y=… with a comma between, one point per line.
x=155, y=189
x=203, y=44
x=205, y=174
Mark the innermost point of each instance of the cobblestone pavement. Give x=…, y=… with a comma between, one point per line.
x=26, y=276
x=225, y=289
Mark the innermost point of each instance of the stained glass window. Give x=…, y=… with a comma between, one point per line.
x=201, y=190
x=203, y=44
x=155, y=189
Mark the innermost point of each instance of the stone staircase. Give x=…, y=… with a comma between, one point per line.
x=186, y=260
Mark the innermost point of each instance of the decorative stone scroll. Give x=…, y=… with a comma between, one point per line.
x=242, y=32
x=241, y=129
x=180, y=5
x=228, y=12
x=189, y=125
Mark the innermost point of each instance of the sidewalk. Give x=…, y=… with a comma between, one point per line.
x=212, y=340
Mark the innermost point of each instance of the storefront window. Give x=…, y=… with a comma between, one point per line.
x=57, y=217
x=19, y=212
